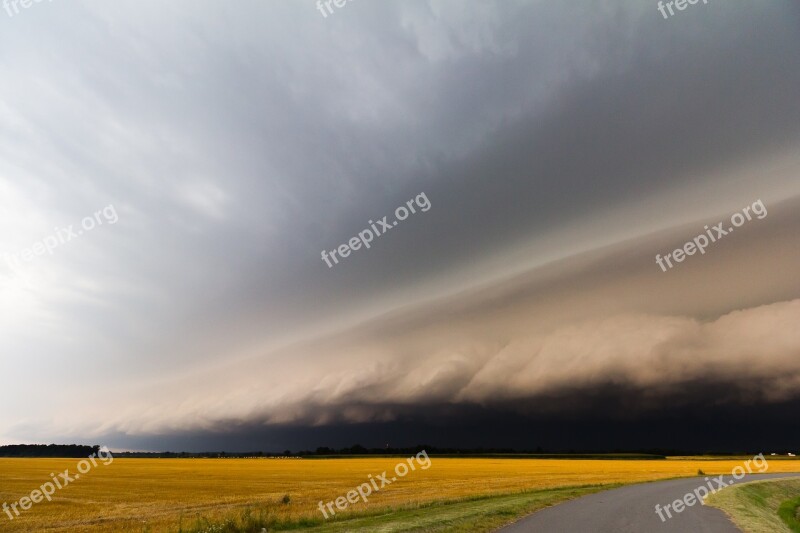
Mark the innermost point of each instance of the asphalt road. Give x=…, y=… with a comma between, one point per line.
x=631, y=509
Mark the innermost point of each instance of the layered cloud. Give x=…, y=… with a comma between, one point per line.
x=553, y=139
x=539, y=342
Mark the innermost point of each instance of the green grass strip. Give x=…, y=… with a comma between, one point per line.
x=474, y=515
x=789, y=511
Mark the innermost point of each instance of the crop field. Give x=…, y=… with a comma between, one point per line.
x=200, y=494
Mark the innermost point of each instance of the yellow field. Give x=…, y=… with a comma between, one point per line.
x=152, y=494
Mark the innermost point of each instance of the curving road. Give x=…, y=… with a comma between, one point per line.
x=631, y=509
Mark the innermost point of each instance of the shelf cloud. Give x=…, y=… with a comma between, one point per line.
x=561, y=145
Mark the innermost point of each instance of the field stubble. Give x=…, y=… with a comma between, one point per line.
x=155, y=494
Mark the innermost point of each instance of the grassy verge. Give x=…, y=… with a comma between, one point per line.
x=789, y=511
x=477, y=515
x=755, y=507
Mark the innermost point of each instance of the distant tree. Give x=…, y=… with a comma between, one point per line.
x=356, y=449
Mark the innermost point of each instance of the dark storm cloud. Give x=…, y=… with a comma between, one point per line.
x=239, y=141
x=717, y=330
x=696, y=423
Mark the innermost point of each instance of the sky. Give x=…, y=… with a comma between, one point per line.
x=170, y=174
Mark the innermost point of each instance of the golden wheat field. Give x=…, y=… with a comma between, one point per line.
x=156, y=494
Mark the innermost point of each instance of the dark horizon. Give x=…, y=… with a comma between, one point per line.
x=696, y=427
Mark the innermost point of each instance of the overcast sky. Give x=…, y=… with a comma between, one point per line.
x=561, y=146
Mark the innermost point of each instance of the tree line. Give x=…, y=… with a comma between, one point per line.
x=48, y=450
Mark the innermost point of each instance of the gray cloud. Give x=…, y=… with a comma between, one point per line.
x=581, y=324
x=237, y=142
